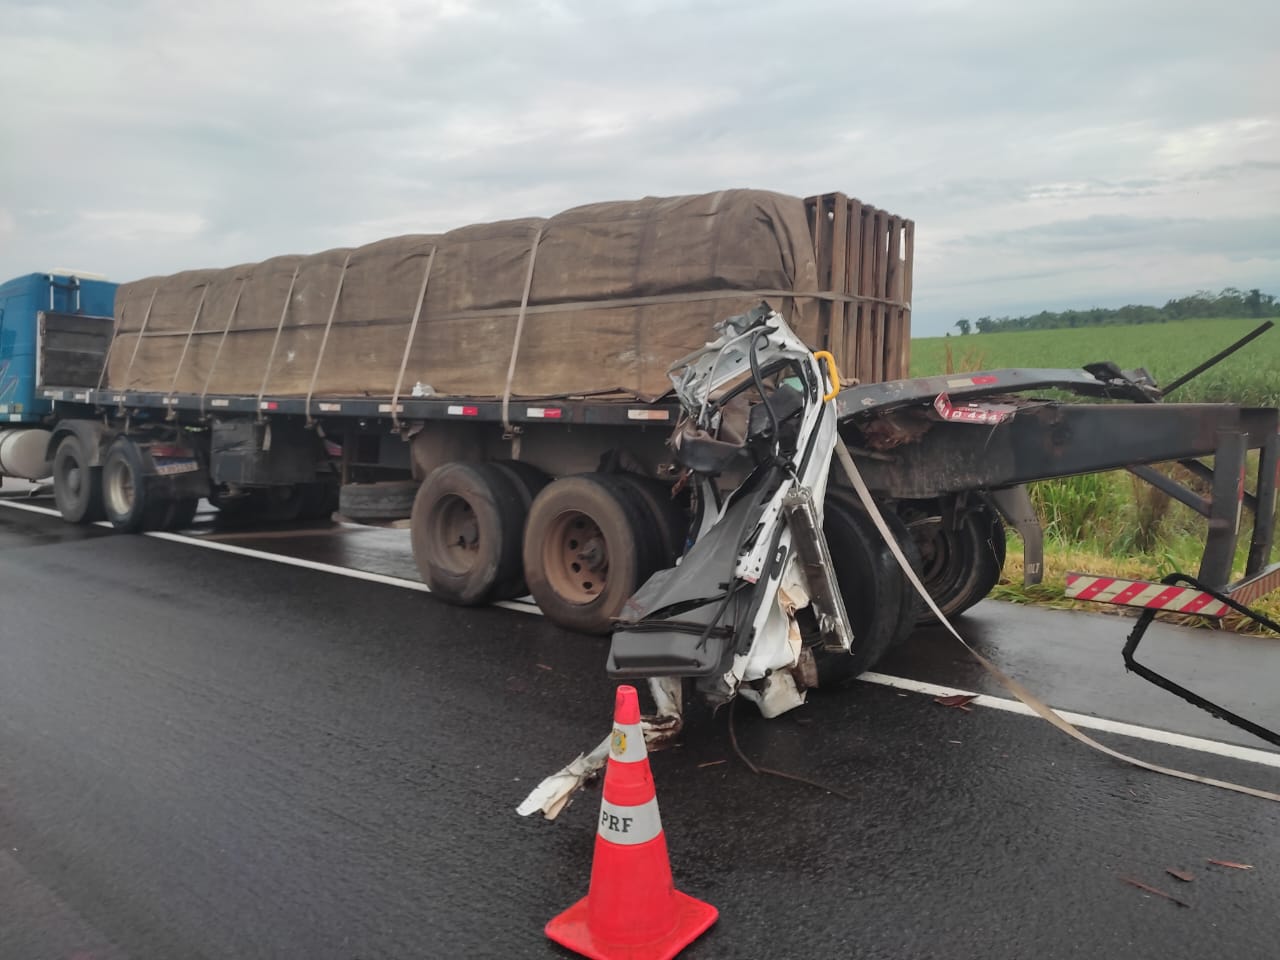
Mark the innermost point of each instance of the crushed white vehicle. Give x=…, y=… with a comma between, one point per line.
x=756, y=606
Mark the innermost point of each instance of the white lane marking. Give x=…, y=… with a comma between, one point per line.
x=521, y=606
x=1152, y=734
x=1089, y=722
x=31, y=507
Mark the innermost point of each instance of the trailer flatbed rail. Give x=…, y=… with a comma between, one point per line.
x=576, y=410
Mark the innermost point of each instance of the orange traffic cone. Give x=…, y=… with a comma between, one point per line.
x=632, y=910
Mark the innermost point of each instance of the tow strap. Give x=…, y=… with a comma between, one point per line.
x=1015, y=688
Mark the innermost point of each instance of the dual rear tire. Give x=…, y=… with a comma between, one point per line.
x=962, y=552
x=591, y=542
x=581, y=545
x=881, y=603
x=958, y=559
x=116, y=491
x=129, y=499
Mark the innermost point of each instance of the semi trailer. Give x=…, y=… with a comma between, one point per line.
x=628, y=411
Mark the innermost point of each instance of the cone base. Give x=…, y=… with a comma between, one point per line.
x=693, y=918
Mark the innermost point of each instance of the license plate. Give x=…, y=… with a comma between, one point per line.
x=167, y=468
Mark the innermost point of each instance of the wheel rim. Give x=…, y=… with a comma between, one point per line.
x=71, y=478
x=455, y=535
x=118, y=486
x=937, y=547
x=575, y=558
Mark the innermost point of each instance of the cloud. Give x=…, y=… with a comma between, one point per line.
x=1255, y=237
x=159, y=136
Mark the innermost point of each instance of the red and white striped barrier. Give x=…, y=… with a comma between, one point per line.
x=1144, y=594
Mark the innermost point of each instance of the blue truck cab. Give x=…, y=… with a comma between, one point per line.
x=22, y=300
x=55, y=330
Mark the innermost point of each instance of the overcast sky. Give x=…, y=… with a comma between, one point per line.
x=1053, y=154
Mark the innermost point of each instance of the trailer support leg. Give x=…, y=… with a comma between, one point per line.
x=1224, y=510
x=1015, y=503
x=1264, y=517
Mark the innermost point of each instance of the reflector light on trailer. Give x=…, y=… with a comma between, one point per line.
x=269, y=405
x=642, y=414
x=1143, y=594
x=214, y=403
x=972, y=381
x=330, y=407
x=386, y=408
x=543, y=413
x=464, y=411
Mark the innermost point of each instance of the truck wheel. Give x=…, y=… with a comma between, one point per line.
x=129, y=506
x=872, y=585
x=987, y=543
x=77, y=487
x=529, y=480
x=180, y=513
x=385, y=500
x=960, y=566
x=466, y=529
x=588, y=546
x=910, y=604
x=669, y=521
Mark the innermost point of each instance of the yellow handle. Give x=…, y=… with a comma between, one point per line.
x=832, y=373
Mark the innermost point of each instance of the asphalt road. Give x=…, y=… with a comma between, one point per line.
x=210, y=755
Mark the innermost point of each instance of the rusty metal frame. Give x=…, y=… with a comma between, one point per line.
x=908, y=453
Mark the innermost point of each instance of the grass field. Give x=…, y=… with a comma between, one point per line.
x=1166, y=350
x=1114, y=523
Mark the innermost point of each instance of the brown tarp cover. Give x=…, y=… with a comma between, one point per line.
x=695, y=260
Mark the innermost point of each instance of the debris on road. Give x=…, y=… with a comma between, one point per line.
x=1231, y=864
x=1182, y=875
x=960, y=701
x=1159, y=893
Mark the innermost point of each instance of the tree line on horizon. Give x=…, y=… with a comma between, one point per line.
x=1229, y=303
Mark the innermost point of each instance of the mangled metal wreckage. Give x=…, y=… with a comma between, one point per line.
x=727, y=614
x=753, y=607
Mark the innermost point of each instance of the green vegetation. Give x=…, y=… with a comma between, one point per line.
x=1113, y=523
x=1251, y=376
x=1227, y=303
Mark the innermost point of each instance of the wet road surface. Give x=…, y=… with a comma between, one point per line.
x=209, y=755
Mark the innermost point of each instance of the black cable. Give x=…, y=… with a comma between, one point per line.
x=715, y=620
x=756, y=769
x=764, y=397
